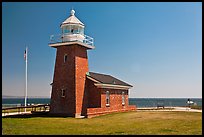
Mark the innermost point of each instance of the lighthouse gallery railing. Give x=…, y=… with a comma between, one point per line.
x=58, y=39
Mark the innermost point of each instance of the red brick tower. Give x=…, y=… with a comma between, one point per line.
x=71, y=66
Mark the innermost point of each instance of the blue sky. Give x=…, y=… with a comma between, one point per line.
x=156, y=47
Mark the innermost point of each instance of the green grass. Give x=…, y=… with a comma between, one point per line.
x=139, y=123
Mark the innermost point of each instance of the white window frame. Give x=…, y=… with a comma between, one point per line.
x=63, y=93
x=123, y=98
x=65, y=58
x=107, y=98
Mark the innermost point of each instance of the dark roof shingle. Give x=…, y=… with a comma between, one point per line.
x=107, y=79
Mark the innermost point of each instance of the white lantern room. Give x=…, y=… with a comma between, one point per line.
x=72, y=29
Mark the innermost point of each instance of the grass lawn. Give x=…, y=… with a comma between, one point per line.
x=139, y=123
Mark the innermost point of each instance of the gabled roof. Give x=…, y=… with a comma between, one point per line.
x=72, y=19
x=107, y=79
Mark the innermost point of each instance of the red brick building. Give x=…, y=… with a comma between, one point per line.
x=76, y=91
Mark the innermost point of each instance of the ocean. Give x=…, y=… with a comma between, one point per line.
x=172, y=102
x=139, y=102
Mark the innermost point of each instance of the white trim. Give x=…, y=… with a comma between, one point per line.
x=108, y=97
x=62, y=91
x=65, y=58
x=123, y=98
x=107, y=105
x=71, y=43
x=99, y=85
x=93, y=79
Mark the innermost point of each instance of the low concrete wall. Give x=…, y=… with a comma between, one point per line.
x=93, y=112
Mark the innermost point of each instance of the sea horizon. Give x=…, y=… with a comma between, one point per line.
x=139, y=102
x=9, y=96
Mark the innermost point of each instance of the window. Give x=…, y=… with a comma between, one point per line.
x=81, y=30
x=65, y=31
x=123, y=98
x=63, y=92
x=65, y=58
x=107, y=98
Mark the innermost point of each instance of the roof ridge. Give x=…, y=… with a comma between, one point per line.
x=101, y=74
x=93, y=77
x=101, y=78
x=120, y=80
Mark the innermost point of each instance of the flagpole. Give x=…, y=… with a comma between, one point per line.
x=26, y=77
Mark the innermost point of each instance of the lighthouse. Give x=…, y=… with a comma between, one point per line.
x=71, y=67
x=76, y=91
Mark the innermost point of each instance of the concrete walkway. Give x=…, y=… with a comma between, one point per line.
x=186, y=109
x=15, y=113
x=169, y=109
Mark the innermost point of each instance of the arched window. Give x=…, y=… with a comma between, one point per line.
x=65, y=58
x=123, y=98
x=107, y=98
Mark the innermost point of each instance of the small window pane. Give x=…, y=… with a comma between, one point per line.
x=107, y=98
x=63, y=92
x=123, y=98
x=65, y=58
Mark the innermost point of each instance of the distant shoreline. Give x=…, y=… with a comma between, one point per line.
x=139, y=102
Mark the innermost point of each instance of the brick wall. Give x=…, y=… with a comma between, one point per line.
x=115, y=98
x=97, y=99
x=69, y=75
x=92, y=112
x=80, y=92
x=93, y=94
x=81, y=62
